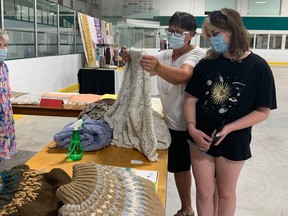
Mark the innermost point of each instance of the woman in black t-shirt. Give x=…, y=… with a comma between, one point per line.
x=231, y=90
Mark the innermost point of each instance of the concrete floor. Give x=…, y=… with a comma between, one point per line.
x=262, y=187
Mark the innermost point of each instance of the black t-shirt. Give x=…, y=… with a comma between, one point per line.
x=230, y=90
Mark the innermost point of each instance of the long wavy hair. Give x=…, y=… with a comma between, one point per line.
x=231, y=21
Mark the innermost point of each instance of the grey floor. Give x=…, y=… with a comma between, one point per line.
x=262, y=187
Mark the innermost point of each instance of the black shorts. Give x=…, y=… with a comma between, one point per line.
x=178, y=152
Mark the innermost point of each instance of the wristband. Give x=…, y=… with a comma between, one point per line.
x=191, y=123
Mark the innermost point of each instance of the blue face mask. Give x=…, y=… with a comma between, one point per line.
x=176, y=42
x=3, y=54
x=218, y=44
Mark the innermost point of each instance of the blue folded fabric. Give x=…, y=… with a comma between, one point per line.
x=94, y=135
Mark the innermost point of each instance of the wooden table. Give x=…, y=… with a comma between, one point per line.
x=64, y=111
x=48, y=159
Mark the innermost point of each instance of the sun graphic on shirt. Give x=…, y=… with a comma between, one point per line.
x=220, y=92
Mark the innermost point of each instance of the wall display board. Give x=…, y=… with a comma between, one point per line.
x=107, y=32
x=97, y=23
x=89, y=37
x=132, y=8
x=94, y=31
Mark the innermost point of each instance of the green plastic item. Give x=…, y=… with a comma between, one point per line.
x=75, y=149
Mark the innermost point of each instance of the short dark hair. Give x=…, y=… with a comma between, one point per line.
x=183, y=20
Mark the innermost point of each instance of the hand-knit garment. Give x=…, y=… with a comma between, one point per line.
x=107, y=190
x=131, y=115
x=96, y=110
x=94, y=135
x=26, y=192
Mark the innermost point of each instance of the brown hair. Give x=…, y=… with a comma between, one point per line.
x=231, y=21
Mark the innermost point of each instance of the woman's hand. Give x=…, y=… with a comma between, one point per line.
x=202, y=140
x=253, y=118
x=150, y=63
x=217, y=137
x=126, y=56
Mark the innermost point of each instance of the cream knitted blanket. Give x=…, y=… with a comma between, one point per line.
x=131, y=115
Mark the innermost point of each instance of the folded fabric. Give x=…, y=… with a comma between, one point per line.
x=108, y=190
x=31, y=98
x=26, y=192
x=94, y=135
x=96, y=110
x=59, y=95
x=109, y=96
x=83, y=99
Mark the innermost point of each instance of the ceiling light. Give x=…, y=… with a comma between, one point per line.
x=260, y=2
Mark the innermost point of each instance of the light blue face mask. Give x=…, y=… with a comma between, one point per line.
x=176, y=42
x=218, y=44
x=3, y=54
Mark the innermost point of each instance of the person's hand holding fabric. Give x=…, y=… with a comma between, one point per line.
x=150, y=63
x=126, y=56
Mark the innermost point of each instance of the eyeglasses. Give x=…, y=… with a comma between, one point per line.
x=177, y=34
x=217, y=17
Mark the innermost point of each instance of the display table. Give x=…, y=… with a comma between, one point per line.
x=48, y=159
x=64, y=111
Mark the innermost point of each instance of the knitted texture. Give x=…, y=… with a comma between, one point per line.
x=96, y=110
x=28, y=192
x=131, y=115
x=162, y=132
x=105, y=190
x=94, y=135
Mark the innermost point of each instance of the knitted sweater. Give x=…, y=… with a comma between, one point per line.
x=107, y=190
x=26, y=192
x=131, y=115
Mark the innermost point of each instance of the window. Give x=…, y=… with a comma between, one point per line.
x=39, y=16
x=264, y=7
x=25, y=13
x=275, y=41
x=261, y=41
x=251, y=45
x=211, y=5
x=45, y=17
x=51, y=40
x=204, y=43
x=31, y=14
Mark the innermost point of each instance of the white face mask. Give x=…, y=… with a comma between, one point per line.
x=176, y=42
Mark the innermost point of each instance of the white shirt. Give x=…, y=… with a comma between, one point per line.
x=173, y=96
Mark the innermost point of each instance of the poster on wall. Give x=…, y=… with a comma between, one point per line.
x=97, y=23
x=107, y=32
x=89, y=37
x=94, y=31
x=137, y=9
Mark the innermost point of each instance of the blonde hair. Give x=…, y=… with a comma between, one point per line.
x=4, y=35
